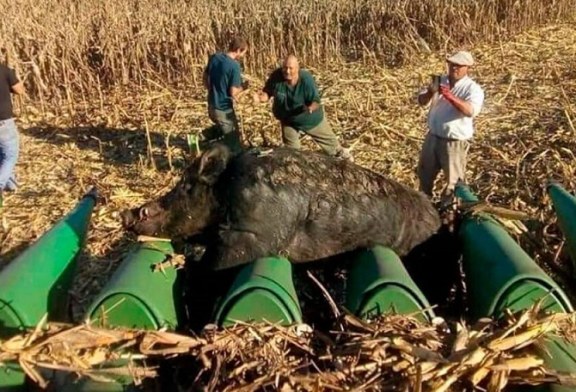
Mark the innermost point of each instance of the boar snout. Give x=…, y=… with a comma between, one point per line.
x=146, y=220
x=137, y=215
x=128, y=219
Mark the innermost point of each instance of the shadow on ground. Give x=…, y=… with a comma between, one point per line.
x=116, y=146
x=93, y=273
x=11, y=254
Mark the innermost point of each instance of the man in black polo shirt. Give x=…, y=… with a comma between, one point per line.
x=297, y=106
x=9, y=146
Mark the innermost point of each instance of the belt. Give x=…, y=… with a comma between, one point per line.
x=449, y=139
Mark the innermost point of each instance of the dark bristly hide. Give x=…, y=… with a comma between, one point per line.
x=303, y=205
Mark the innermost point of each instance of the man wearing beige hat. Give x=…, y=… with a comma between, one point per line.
x=454, y=102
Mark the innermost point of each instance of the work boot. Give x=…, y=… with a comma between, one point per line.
x=344, y=153
x=210, y=134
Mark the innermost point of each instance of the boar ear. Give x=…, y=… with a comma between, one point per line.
x=212, y=163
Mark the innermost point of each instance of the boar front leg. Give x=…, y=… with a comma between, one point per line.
x=234, y=248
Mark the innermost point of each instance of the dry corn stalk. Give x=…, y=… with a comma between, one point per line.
x=393, y=351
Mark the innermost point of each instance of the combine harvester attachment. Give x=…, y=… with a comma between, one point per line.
x=379, y=283
x=262, y=291
x=501, y=275
x=36, y=283
x=565, y=206
x=137, y=296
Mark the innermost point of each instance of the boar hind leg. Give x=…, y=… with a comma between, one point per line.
x=234, y=248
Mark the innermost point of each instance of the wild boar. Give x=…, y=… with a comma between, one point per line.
x=303, y=205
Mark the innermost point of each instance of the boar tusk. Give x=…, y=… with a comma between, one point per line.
x=147, y=238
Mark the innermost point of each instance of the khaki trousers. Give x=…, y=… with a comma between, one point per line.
x=321, y=134
x=448, y=155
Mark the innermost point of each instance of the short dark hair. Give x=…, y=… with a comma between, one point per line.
x=238, y=43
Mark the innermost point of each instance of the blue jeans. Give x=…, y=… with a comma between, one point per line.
x=9, y=146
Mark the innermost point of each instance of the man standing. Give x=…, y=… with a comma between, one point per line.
x=223, y=80
x=297, y=107
x=9, y=143
x=455, y=102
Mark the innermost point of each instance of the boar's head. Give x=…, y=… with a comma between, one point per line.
x=187, y=209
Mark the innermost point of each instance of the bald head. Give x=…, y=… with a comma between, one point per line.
x=290, y=69
x=291, y=61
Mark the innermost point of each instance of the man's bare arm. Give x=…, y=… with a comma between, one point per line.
x=261, y=97
x=206, y=80
x=465, y=107
x=235, y=91
x=18, y=88
x=425, y=97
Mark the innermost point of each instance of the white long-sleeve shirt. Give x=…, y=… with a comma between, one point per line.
x=445, y=121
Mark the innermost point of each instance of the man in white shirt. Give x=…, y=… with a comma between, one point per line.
x=454, y=104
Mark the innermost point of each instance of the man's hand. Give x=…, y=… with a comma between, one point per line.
x=464, y=107
x=434, y=85
x=447, y=93
x=312, y=107
x=260, y=97
x=18, y=88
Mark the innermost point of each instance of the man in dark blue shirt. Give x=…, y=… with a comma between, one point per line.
x=223, y=80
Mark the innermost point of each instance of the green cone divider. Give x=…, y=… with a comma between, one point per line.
x=263, y=290
x=135, y=297
x=500, y=275
x=37, y=281
x=12, y=378
x=565, y=206
x=378, y=282
x=138, y=297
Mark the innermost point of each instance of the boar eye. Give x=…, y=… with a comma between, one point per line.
x=144, y=213
x=187, y=188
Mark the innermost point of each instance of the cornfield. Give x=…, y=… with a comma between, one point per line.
x=71, y=49
x=114, y=90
